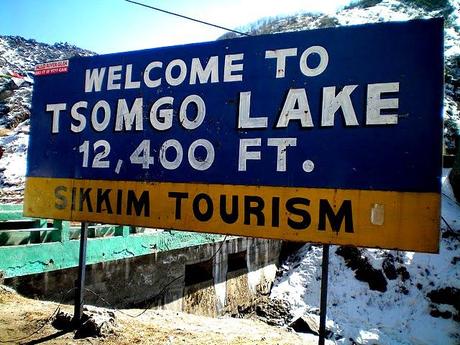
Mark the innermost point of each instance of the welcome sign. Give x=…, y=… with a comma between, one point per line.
x=328, y=136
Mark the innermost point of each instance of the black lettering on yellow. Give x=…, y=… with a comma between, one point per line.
x=142, y=203
x=292, y=206
x=178, y=196
x=60, y=197
x=335, y=219
x=103, y=198
x=254, y=205
x=275, y=211
x=74, y=197
x=231, y=217
x=119, y=201
x=206, y=215
x=85, y=197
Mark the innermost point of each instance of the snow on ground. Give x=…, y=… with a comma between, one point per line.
x=387, y=10
x=394, y=10
x=18, y=56
x=401, y=315
x=13, y=162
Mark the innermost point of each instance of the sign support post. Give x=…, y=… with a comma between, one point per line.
x=323, y=300
x=80, y=283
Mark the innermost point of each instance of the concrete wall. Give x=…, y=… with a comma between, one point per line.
x=192, y=279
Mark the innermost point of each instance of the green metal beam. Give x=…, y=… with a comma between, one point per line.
x=45, y=249
x=44, y=257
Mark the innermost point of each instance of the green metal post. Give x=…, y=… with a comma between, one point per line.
x=63, y=228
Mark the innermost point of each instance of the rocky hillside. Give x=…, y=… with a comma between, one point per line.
x=18, y=57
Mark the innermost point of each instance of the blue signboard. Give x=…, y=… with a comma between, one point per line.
x=280, y=132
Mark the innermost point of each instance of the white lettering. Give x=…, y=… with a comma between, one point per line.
x=149, y=82
x=280, y=56
x=230, y=67
x=78, y=117
x=126, y=117
x=114, y=76
x=56, y=109
x=210, y=71
x=200, y=112
x=174, y=164
x=332, y=103
x=93, y=79
x=375, y=103
x=100, y=126
x=129, y=83
x=174, y=81
x=282, y=144
x=244, y=118
x=295, y=108
x=164, y=114
x=201, y=164
x=324, y=60
x=244, y=155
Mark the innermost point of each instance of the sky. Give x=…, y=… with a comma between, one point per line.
x=108, y=26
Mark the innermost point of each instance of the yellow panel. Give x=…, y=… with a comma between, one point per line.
x=393, y=220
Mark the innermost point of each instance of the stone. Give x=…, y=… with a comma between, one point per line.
x=307, y=323
x=363, y=269
x=5, y=94
x=388, y=266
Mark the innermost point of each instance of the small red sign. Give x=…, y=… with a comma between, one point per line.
x=53, y=67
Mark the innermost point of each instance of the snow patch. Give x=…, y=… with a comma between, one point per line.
x=401, y=315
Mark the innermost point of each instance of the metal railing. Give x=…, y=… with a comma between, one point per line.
x=31, y=246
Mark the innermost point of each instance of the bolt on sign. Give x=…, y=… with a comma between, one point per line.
x=326, y=136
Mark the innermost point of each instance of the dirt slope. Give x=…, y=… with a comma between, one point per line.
x=20, y=317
